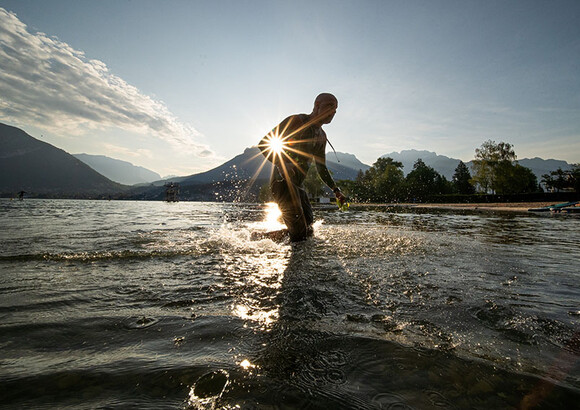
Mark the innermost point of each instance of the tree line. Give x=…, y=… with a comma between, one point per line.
x=495, y=171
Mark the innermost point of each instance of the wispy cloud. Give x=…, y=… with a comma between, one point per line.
x=127, y=152
x=45, y=82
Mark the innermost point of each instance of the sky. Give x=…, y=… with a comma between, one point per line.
x=181, y=86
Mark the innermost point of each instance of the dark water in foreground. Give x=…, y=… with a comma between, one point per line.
x=156, y=305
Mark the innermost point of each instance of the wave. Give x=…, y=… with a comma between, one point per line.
x=101, y=255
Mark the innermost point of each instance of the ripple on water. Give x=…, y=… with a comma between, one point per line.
x=210, y=386
x=142, y=322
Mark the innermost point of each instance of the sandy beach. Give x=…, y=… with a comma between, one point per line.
x=507, y=207
x=484, y=207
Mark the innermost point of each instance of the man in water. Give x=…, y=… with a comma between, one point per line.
x=291, y=147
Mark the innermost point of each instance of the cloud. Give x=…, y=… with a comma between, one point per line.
x=45, y=82
x=115, y=149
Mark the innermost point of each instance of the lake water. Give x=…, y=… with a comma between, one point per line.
x=111, y=304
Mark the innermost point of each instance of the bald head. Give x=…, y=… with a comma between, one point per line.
x=325, y=97
x=325, y=106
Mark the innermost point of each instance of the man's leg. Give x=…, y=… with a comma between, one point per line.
x=289, y=199
x=307, y=211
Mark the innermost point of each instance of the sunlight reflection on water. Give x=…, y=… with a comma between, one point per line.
x=272, y=220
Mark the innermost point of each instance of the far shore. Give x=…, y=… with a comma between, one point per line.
x=496, y=206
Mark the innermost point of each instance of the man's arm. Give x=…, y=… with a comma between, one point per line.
x=324, y=172
x=320, y=159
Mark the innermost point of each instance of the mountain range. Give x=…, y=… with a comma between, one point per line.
x=41, y=169
x=119, y=171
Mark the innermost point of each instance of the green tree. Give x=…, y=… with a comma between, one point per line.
x=525, y=180
x=548, y=181
x=386, y=180
x=560, y=179
x=461, y=180
x=355, y=190
x=423, y=181
x=557, y=179
x=575, y=177
x=491, y=160
x=383, y=182
x=514, y=179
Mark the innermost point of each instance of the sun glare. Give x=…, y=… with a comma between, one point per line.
x=276, y=144
x=272, y=220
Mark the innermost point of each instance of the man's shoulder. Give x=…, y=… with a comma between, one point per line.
x=299, y=119
x=294, y=123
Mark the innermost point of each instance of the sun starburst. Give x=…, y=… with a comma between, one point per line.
x=276, y=144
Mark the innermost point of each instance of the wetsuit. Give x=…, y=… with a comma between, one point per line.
x=307, y=143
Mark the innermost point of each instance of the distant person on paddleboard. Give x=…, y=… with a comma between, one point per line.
x=291, y=147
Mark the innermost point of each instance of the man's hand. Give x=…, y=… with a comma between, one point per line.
x=341, y=198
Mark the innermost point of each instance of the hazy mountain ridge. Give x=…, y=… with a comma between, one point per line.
x=119, y=171
x=441, y=163
x=541, y=166
x=39, y=168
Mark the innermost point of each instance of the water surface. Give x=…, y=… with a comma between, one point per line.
x=110, y=304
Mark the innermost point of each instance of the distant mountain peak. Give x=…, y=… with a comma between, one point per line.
x=118, y=170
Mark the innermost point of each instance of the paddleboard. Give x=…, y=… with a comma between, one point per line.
x=552, y=207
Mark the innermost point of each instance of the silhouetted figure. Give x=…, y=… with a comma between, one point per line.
x=21, y=195
x=291, y=147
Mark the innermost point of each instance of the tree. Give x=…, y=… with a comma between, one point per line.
x=561, y=179
x=383, y=164
x=386, y=180
x=557, y=179
x=460, y=180
x=382, y=182
x=548, y=181
x=514, y=179
x=525, y=180
x=491, y=161
x=358, y=190
x=575, y=177
x=423, y=181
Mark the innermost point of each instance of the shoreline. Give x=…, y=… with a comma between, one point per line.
x=492, y=206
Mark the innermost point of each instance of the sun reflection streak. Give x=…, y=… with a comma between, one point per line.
x=259, y=277
x=258, y=301
x=264, y=317
x=273, y=217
